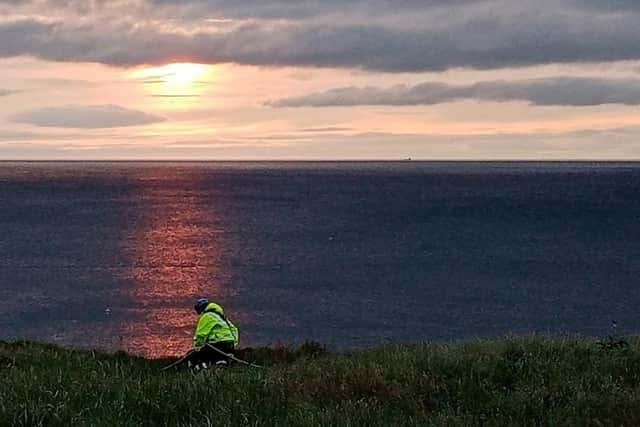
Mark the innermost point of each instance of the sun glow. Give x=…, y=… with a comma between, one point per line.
x=176, y=86
x=173, y=74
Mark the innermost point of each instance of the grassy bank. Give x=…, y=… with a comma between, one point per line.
x=512, y=381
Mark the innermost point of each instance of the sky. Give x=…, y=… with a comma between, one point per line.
x=319, y=79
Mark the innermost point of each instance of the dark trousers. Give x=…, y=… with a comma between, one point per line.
x=209, y=355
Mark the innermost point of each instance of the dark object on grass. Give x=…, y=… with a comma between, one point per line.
x=7, y=363
x=209, y=355
x=612, y=343
x=179, y=362
x=232, y=357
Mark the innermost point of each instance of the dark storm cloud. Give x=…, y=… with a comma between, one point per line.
x=86, y=117
x=567, y=91
x=378, y=35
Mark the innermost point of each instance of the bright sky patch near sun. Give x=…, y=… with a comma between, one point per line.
x=176, y=86
x=362, y=79
x=173, y=74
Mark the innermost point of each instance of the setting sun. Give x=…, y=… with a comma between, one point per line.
x=175, y=86
x=178, y=74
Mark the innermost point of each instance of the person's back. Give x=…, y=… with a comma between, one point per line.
x=213, y=329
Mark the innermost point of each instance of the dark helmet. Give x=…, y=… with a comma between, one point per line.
x=201, y=304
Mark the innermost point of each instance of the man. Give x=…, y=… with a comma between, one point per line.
x=214, y=329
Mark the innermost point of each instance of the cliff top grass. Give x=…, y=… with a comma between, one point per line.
x=504, y=382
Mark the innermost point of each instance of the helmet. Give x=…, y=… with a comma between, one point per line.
x=201, y=304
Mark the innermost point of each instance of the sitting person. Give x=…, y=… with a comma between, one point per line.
x=213, y=329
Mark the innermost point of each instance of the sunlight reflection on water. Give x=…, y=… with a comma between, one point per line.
x=175, y=259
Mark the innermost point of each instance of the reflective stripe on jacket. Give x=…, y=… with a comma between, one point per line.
x=213, y=327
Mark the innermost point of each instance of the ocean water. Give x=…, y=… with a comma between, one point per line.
x=112, y=255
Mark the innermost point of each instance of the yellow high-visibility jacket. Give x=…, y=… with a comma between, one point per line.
x=214, y=327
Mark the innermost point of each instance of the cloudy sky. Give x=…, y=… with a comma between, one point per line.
x=319, y=79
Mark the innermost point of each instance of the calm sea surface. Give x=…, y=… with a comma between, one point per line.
x=112, y=255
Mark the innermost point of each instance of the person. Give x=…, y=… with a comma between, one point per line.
x=215, y=329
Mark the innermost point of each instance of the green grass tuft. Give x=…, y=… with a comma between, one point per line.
x=527, y=381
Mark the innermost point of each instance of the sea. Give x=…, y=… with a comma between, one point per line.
x=112, y=255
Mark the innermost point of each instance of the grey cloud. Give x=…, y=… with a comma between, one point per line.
x=303, y=9
x=481, y=35
x=608, y=5
x=567, y=91
x=86, y=117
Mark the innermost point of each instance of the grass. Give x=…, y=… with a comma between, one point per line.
x=527, y=381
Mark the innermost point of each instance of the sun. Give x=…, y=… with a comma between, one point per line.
x=183, y=73
x=176, y=86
